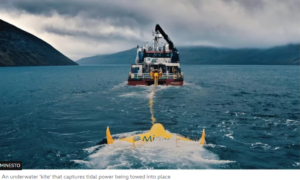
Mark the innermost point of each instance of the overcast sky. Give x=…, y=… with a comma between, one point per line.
x=91, y=27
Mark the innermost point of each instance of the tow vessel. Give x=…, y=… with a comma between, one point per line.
x=156, y=64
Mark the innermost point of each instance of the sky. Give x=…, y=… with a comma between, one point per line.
x=91, y=27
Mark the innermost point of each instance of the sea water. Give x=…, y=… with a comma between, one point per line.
x=56, y=117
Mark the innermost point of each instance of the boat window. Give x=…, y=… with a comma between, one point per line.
x=173, y=69
x=158, y=55
x=149, y=55
x=135, y=69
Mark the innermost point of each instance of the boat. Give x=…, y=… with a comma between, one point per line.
x=156, y=133
x=155, y=64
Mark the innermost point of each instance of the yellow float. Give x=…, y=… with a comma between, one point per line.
x=157, y=131
x=155, y=74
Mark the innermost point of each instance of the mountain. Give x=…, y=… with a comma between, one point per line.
x=20, y=48
x=280, y=55
x=124, y=57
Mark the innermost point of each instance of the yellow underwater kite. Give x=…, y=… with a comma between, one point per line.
x=157, y=131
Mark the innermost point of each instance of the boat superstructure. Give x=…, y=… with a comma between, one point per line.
x=155, y=64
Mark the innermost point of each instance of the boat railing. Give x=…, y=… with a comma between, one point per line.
x=147, y=75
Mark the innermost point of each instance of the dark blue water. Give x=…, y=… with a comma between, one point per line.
x=54, y=117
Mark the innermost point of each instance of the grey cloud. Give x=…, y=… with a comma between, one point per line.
x=228, y=23
x=80, y=34
x=104, y=10
x=249, y=6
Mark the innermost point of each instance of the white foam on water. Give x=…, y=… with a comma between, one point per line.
x=214, y=145
x=296, y=164
x=192, y=85
x=91, y=149
x=165, y=154
x=120, y=85
x=146, y=93
x=290, y=122
x=260, y=145
x=229, y=135
x=80, y=162
x=132, y=94
x=123, y=135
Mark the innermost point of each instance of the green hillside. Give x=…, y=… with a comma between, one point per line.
x=280, y=55
x=20, y=48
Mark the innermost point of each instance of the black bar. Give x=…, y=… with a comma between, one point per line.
x=10, y=165
x=162, y=32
